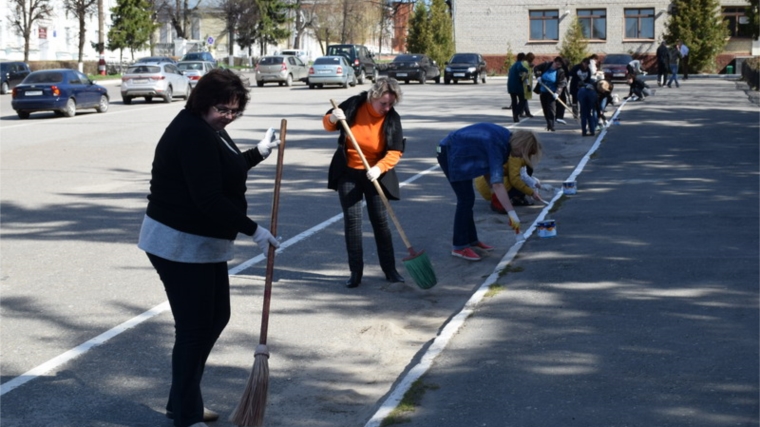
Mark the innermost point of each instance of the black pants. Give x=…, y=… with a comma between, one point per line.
x=199, y=295
x=662, y=73
x=549, y=105
x=518, y=103
x=352, y=188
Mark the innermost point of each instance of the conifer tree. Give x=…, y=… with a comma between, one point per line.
x=132, y=26
x=419, y=36
x=699, y=25
x=574, y=44
x=442, y=34
x=753, y=15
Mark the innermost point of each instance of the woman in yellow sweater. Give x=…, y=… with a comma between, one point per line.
x=377, y=128
x=525, y=153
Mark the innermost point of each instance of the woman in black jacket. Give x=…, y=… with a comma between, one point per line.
x=196, y=208
x=377, y=128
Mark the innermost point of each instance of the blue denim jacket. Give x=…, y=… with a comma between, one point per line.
x=476, y=150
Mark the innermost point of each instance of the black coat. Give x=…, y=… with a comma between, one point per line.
x=663, y=55
x=394, y=140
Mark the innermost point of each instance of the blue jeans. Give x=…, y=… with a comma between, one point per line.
x=673, y=75
x=587, y=100
x=465, y=233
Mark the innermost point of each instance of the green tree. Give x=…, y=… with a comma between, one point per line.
x=419, y=34
x=442, y=34
x=574, y=44
x=699, y=25
x=263, y=22
x=132, y=26
x=753, y=15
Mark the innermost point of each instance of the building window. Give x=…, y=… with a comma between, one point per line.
x=639, y=24
x=544, y=25
x=737, y=21
x=594, y=23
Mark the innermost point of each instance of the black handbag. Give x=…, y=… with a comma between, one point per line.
x=537, y=89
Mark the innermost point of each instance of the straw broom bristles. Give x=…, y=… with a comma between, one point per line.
x=250, y=410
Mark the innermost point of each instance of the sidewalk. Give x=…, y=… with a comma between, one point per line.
x=643, y=311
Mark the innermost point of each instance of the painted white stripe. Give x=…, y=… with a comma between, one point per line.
x=81, y=349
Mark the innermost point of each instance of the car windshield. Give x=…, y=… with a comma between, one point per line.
x=339, y=50
x=144, y=69
x=271, y=60
x=617, y=59
x=44, y=77
x=327, y=60
x=407, y=58
x=464, y=58
x=190, y=66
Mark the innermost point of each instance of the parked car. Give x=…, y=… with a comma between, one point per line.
x=465, y=66
x=358, y=57
x=331, y=70
x=614, y=66
x=153, y=59
x=12, y=73
x=199, y=56
x=194, y=70
x=414, y=66
x=281, y=69
x=62, y=91
x=149, y=80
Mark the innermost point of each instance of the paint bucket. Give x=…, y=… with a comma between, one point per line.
x=569, y=187
x=547, y=228
x=615, y=99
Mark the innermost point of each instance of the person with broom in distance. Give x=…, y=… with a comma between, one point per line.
x=196, y=208
x=377, y=128
x=473, y=151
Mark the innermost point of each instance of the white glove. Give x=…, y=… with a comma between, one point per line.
x=264, y=238
x=337, y=115
x=265, y=145
x=514, y=221
x=373, y=173
x=555, y=96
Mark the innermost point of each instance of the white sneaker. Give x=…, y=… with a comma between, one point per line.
x=561, y=121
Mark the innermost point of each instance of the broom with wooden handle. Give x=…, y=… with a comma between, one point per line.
x=250, y=410
x=550, y=91
x=417, y=263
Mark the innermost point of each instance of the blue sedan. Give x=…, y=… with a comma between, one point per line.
x=62, y=91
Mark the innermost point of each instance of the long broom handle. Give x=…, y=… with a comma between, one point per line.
x=550, y=91
x=273, y=230
x=377, y=184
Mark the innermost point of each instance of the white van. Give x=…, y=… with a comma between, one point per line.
x=298, y=53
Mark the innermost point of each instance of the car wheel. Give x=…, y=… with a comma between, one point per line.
x=311, y=86
x=446, y=81
x=4, y=89
x=375, y=75
x=353, y=80
x=362, y=76
x=188, y=89
x=345, y=83
x=260, y=84
x=23, y=114
x=148, y=98
x=483, y=79
x=168, y=95
x=289, y=81
x=437, y=79
x=423, y=78
x=71, y=108
x=456, y=81
x=406, y=82
x=102, y=105
x=126, y=100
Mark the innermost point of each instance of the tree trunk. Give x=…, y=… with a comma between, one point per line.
x=82, y=36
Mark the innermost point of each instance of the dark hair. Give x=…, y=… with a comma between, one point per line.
x=530, y=57
x=218, y=86
x=520, y=56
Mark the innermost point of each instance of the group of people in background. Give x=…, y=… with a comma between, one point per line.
x=669, y=60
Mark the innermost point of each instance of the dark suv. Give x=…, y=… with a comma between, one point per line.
x=200, y=56
x=12, y=73
x=359, y=57
x=465, y=66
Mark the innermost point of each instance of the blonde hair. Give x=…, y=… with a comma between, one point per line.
x=527, y=144
x=382, y=86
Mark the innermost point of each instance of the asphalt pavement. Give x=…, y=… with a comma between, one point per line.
x=643, y=310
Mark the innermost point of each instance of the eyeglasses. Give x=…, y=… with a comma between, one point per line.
x=228, y=111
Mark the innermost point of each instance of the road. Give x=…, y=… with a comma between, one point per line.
x=73, y=196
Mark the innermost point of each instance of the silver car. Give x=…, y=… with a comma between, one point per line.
x=148, y=80
x=281, y=69
x=331, y=70
x=194, y=70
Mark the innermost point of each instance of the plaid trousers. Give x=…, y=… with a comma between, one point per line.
x=353, y=187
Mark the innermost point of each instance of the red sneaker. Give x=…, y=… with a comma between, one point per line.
x=467, y=254
x=483, y=246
